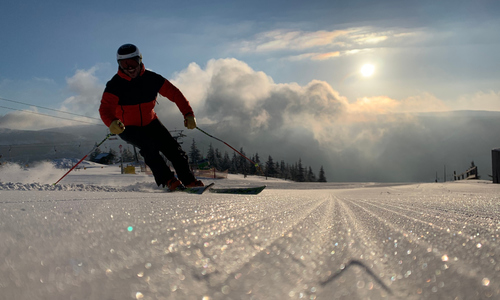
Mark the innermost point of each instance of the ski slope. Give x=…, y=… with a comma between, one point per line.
x=103, y=235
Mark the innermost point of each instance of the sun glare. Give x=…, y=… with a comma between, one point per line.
x=367, y=70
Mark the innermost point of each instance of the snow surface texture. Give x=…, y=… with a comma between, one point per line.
x=104, y=235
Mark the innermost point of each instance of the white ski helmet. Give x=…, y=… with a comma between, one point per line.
x=128, y=51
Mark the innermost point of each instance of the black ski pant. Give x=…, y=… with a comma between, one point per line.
x=153, y=139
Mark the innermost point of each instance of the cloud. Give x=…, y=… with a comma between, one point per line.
x=291, y=119
x=426, y=102
x=364, y=36
x=313, y=56
x=323, y=56
x=87, y=92
x=282, y=39
x=229, y=90
x=382, y=105
x=30, y=119
x=337, y=42
x=371, y=138
x=480, y=101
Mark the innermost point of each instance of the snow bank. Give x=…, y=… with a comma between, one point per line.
x=41, y=177
x=43, y=172
x=50, y=187
x=139, y=187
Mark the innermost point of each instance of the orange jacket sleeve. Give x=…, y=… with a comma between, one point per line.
x=174, y=94
x=107, y=110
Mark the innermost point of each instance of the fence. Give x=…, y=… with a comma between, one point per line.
x=211, y=173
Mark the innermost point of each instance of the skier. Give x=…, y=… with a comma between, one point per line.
x=127, y=108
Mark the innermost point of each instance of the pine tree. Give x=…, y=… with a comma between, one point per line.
x=211, y=156
x=283, y=172
x=194, y=154
x=218, y=160
x=225, y=163
x=243, y=167
x=293, y=172
x=253, y=167
x=322, y=177
x=112, y=156
x=300, y=172
x=234, y=164
x=270, y=167
x=94, y=154
x=310, y=177
x=256, y=159
x=127, y=155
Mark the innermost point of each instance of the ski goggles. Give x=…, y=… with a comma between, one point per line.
x=130, y=63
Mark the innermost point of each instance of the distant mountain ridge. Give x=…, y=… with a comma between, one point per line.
x=64, y=142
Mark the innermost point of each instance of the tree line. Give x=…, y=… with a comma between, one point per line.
x=237, y=164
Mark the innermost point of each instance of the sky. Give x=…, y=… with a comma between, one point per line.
x=287, y=71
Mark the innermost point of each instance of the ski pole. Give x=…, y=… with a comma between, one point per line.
x=254, y=163
x=96, y=146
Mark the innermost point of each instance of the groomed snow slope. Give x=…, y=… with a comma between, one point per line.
x=103, y=235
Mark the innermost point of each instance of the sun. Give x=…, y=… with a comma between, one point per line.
x=367, y=70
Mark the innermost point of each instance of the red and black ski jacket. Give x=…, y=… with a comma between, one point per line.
x=132, y=100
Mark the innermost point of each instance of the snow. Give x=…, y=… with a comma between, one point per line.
x=103, y=235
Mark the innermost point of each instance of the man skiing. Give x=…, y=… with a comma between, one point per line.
x=127, y=108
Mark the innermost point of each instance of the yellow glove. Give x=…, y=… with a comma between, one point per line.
x=116, y=127
x=190, y=122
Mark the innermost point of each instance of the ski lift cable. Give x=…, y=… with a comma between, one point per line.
x=42, y=145
x=56, y=110
x=46, y=115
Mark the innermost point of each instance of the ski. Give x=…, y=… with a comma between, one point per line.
x=239, y=191
x=198, y=190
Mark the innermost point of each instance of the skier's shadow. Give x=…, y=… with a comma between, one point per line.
x=364, y=267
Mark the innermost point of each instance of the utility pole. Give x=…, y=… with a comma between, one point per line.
x=121, y=159
x=444, y=173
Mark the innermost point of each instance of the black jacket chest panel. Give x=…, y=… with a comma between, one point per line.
x=139, y=90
